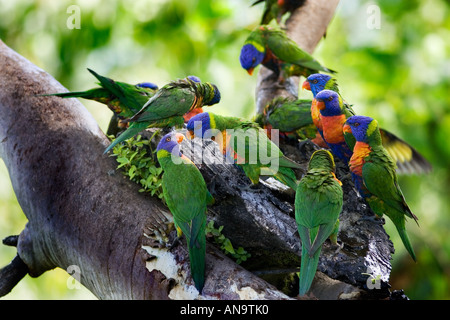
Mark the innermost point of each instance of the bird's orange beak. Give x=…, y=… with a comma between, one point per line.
x=190, y=135
x=347, y=129
x=320, y=104
x=306, y=85
x=250, y=71
x=179, y=137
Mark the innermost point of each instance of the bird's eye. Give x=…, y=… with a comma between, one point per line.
x=356, y=124
x=315, y=81
x=330, y=98
x=253, y=60
x=168, y=139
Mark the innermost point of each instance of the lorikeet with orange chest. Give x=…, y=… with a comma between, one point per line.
x=186, y=196
x=408, y=159
x=375, y=169
x=277, y=52
x=333, y=118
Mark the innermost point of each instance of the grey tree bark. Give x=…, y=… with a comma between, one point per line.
x=83, y=212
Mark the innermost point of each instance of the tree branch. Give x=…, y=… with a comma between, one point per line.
x=81, y=212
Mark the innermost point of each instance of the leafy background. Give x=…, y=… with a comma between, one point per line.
x=398, y=74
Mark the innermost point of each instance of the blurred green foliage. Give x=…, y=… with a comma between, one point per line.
x=397, y=73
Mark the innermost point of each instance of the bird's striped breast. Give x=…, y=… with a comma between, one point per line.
x=360, y=151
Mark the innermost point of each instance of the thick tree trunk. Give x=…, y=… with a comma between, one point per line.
x=83, y=212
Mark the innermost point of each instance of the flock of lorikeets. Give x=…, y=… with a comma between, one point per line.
x=374, y=156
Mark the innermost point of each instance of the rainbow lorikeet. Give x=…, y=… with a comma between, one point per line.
x=333, y=117
x=275, y=9
x=122, y=98
x=292, y=117
x=247, y=145
x=408, y=159
x=186, y=196
x=318, y=203
x=167, y=107
x=376, y=169
x=276, y=51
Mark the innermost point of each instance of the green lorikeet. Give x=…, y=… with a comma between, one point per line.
x=292, y=117
x=378, y=180
x=122, y=98
x=247, y=145
x=186, y=196
x=318, y=203
x=408, y=159
x=276, y=51
x=275, y=9
x=168, y=106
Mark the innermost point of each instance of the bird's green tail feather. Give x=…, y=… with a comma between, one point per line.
x=132, y=130
x=287, y=176
x=197, y=251
x=308, y=269
x=405, y=239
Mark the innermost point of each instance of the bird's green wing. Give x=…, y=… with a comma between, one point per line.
x=169, y=101
x=381, y=180
x=287, y=50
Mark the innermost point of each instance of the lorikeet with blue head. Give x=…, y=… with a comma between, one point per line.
x=246, y=145
x=290, y=116
x=318, y=203
x=376, y=169
x=168, y=106
x=333, y=117
x=186, y=196
x=408, y=159
x=123, y=99
x=277, y=52
x=275, y=9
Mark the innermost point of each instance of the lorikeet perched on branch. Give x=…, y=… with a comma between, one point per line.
x=121, y=98
x=408, y=159
x=318, y=203
x=276, y=51
x=168, y=106
x=186, y=196
x=289, y=116
x=247, y=145
x=333, y=117
x=376, y=169
x=275, y=9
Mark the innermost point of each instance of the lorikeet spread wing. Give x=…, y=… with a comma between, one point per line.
x=408, y=159
x=318, y=203
x=186, y=196
x=380, y=188
x=168, y=106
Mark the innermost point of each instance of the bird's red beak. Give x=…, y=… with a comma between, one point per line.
x=347, y=128
x=306, y=85
x=320, y=104
x=250, y=71
x=179, y=137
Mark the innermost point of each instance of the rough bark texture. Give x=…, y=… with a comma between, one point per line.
x=83, y=212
